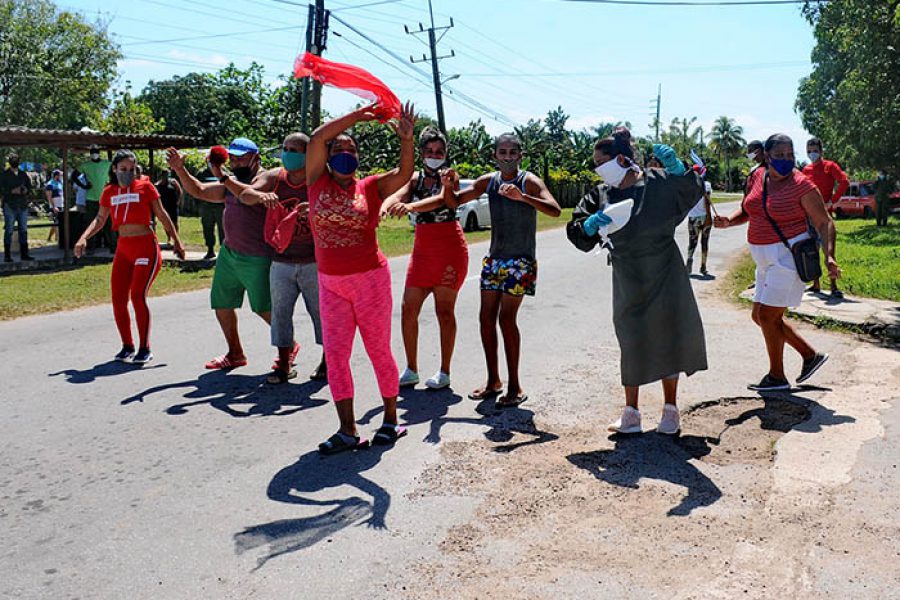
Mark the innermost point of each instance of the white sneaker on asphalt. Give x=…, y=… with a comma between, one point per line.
x=629, y=422
x=408, y=378
x=670, y=423
x=438, y=381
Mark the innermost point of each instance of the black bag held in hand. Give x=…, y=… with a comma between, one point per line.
x=805, y=252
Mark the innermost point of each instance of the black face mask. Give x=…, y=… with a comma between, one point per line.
x=14, y=164
x=244, y=174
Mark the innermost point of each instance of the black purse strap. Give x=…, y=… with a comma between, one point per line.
x=765, y=197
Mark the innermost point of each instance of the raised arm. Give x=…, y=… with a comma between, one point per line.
x=317, y=149
x=208, y=192
x=536, y=195
x=262, y=189
x=393, y=180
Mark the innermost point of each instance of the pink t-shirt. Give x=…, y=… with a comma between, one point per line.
x=783, y=204
x=343, y=224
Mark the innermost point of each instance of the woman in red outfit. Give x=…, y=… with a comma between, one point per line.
x=439, y=260
x=131, y=201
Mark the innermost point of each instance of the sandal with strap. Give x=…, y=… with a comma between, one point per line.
x=279, y=375
x=341, y=442
x=224, y=362
x=388, y=434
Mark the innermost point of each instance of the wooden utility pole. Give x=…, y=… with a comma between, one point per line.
x=435, y=72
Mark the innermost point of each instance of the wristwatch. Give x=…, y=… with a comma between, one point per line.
x=224, y=178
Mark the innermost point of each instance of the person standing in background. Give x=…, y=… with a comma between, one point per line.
x=699, y=227
x=170, y=195
x=14, y=186
x=97, y=173
x=825, y=174
x=53, y=191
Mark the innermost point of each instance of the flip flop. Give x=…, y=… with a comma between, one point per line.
x=388, y=434
x=482, y=393
x=225, y=363
x=506, y=402
x=340, y=442
x=278, y=376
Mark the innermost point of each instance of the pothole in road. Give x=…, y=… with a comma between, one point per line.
x=739, y=430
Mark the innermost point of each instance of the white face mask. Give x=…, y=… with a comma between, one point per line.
x=612, y=172
x=814, y=156
x=434, y=163
x=751, y=156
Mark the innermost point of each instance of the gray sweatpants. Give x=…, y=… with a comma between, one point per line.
x=287, y=281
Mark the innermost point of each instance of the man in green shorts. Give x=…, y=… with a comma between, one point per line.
x=244, y=258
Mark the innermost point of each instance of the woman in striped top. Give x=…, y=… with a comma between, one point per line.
x=791, y=200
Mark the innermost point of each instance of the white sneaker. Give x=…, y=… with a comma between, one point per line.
x=409, y=377
x=438, y=381
x=670, y=423
x=629, y=422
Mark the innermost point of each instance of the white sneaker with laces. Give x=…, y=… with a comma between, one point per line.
x=438, y=381
x=629, y=422
x=408, y=377
x=670, y=423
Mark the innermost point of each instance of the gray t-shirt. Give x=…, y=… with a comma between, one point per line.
x=513, y=223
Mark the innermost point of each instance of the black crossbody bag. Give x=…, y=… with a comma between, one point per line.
x=805, y=252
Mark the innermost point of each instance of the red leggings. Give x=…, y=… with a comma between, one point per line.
x=135, y=266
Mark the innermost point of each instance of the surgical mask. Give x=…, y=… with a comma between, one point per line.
x=783, y=166
x=434, y=163
x=751, y=156
x=508, y=164
x=95, y=156
x=243, y=174
x=612, y=172
x=343, y=163
x=293, y=161
x=125, y=178
x=814, y=156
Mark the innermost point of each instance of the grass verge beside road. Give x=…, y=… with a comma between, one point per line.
x=25, y=294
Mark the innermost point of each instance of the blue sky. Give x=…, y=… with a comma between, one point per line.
x=518, y=58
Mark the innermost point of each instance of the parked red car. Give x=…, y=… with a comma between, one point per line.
x=859, y=201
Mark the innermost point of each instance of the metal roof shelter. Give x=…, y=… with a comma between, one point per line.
x=81, y=141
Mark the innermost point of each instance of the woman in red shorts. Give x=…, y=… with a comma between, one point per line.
x=439, y=260
x=131, y=201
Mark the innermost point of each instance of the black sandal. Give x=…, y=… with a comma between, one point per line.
x=388, y=434
x=279, y=376
x=341, y=442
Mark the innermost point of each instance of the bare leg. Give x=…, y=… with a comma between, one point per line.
x=487, y=317
x=445, y=307
x=413, y=298
x=670, y=390
x=390, y=410
x=770, y=320
x=796, y=341
x=512, y=341
x=228, y=321
x=631, y=396
x=345, y=415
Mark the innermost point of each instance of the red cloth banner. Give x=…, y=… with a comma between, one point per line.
x=352, y=79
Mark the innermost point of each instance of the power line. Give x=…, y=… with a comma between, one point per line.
x=217, y=35
x=695, y=3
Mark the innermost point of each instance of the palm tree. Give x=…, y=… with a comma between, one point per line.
x=680, y=132
x=726, y=140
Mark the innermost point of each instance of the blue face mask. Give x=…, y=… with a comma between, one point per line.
x=814, y=156
x=783, y=166
x=293, y=161
x=343, y=163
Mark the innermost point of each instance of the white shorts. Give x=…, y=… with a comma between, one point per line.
x=777, y=282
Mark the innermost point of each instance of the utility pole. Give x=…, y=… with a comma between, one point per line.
x=658, y=101
x=304, y=97
x=320, y=39
x=435, y=72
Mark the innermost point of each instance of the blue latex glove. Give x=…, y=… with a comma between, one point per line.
x=594, y=223
x=668, y=158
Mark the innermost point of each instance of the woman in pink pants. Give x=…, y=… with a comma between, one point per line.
x=354, y=277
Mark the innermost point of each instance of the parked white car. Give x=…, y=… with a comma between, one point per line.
x=473, y=215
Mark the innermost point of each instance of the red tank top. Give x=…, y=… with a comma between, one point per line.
x=301, y=248
x=783, y=204
x=129, y=205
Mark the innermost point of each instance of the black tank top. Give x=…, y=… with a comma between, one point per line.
x=442, y=214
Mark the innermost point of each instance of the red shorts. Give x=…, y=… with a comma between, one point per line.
x=440, y=256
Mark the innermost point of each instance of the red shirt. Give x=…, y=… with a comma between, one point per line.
x=129, y=205
x=343, y=224
x=825, y=173
x=783, y=204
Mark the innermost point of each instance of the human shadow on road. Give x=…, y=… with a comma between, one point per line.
x=299, y=482
x=226, y=391
x=433, y=406
x=784, y=411
x=654, y=456
x=109, y=368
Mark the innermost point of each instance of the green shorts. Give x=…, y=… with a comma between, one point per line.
x=236, y=272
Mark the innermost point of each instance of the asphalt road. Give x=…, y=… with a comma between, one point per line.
x=170, y=481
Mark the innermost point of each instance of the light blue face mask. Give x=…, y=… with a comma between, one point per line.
x=293, y=161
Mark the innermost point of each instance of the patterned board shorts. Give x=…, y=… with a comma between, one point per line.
x=513, y=276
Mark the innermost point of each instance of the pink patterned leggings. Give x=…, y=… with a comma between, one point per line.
x=359, y=300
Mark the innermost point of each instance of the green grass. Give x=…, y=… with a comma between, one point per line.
x=869, y=257
x=45, y=292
